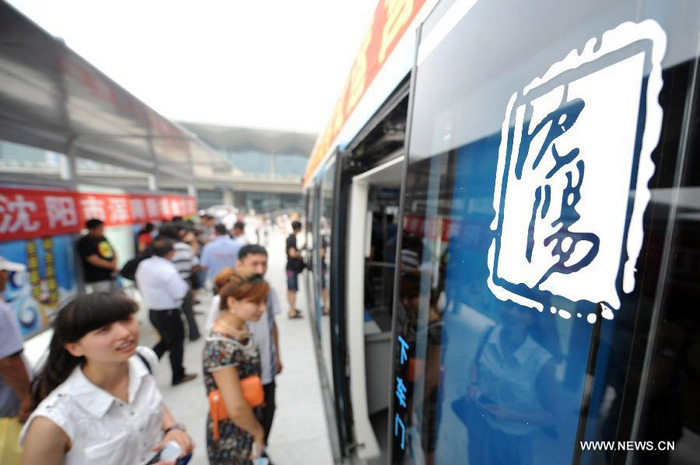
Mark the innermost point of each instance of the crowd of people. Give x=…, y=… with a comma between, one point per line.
x=95, y=399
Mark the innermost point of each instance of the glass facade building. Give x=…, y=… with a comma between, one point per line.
x=269, y=165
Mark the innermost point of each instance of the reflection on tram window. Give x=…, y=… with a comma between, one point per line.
x=322, y=273
x=480, y=372
x=325, y=233
x=489, y=376
x=512, y=392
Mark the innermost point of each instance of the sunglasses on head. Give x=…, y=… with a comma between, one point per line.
x=250, y=279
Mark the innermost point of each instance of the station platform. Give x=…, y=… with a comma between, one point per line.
x=299, y=433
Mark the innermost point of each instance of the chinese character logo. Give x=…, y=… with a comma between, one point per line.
x=61, y=211
x=573, y=172
x=16, y=214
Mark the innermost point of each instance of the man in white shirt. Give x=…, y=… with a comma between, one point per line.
x=239, y=236
x=253, y=259
x=163, y=290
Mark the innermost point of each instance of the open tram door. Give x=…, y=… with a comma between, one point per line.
x=370, y=268
x=360, y=193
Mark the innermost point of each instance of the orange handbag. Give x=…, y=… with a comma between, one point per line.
x=253, y=393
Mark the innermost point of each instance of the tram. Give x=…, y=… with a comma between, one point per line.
x=503, y=220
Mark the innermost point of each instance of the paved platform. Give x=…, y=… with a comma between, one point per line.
x=299, y=433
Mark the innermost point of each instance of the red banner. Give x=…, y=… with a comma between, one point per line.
x=389, y=23
x=29, y=213
x=436, y=227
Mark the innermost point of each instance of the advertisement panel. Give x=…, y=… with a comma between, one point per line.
x=37, y=231
x=47, y=281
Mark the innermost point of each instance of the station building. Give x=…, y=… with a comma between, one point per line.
x=269, y=167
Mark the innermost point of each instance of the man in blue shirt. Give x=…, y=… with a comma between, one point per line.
x=219, y=253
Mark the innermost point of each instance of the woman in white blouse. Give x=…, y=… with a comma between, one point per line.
x=96, y=398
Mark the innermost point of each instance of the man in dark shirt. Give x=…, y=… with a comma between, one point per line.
x=98, y=258
x=295, y=265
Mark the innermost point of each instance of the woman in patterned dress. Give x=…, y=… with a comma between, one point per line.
x=230, y=354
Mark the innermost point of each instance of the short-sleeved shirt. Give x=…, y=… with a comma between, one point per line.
x=145, y=238
x=103, y=429
x=100, y=246
x=220, y=352
x=218, y=254
x=241, y=240
x=184, y=259
x=511, y=381
x=161, y=286
x=261, y=331
x=10, y=344
x=293, y=263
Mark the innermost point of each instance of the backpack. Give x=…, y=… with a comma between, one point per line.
x=128, y=271
x=294, y=264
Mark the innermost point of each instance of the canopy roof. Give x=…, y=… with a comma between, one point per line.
x=51, y=98
x=235, y=139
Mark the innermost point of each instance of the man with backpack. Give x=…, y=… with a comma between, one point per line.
x=295, y=265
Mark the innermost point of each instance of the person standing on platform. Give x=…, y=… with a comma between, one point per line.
x=252, y=259
x=96, y=397
x=144, y=238
x=219, y=253
x=196, y=279
x=239, y=234
x=295, y=265
x=15, y=399
x=230, y=356
x=98, y=258
x=186, y=263
x=163, y=290
x=207, y=232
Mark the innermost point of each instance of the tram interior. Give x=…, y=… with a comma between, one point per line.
x=379, y=269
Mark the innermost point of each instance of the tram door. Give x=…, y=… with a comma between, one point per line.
x=372, y=233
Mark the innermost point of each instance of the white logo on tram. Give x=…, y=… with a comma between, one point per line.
x=573, y=172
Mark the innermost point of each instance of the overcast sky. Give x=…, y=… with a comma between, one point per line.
x=261, y=63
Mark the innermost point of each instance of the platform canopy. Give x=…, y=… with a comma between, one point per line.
x=52, y=99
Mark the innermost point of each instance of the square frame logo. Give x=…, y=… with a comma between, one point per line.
x=573, y=171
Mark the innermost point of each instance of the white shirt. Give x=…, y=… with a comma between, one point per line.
x=161, y=286
x=10, y=344
x=103, y=429
x=214, y=312
x=241, y=240
x=261, y=331
x=512, y=381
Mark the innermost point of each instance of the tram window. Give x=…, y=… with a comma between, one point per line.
x=323, y=271
x=325, y=232
x=380, y=265
x=671, y=406
x=499, y=362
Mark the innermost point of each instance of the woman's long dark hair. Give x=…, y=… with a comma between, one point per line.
x=81, y=315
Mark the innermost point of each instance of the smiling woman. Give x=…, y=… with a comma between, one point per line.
x=96, y=399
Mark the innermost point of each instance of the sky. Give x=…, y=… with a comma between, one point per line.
x=261, y=64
